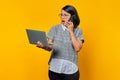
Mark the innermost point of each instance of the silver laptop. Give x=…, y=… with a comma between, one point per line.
x=34, y=36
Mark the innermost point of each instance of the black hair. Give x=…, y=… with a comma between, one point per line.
x=74, y=15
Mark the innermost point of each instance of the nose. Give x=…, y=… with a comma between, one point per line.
x=62, y=17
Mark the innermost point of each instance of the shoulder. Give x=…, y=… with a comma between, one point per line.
x=55, y=26
x=77, y=30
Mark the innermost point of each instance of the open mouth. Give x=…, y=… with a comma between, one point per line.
x=63, y=21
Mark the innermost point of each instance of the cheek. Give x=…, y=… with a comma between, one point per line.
x=67, y=19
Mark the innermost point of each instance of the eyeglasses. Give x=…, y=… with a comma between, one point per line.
x=63, y=15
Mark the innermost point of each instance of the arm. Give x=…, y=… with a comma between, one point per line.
x=77, y=44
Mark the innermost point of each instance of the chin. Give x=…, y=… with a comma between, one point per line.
x=63, y=24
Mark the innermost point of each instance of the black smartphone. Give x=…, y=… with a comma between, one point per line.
x=71, y=19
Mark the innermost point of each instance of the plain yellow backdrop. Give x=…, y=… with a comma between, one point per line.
x=99, y=58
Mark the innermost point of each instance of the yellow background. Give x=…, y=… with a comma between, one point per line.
x=99, y=58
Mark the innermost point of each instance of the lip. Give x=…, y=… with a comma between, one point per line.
x=63, y=22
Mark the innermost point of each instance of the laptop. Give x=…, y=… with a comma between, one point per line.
x=35, y=35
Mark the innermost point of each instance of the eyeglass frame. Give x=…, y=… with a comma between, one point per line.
x=64, y=15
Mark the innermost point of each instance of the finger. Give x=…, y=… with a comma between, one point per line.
x=38, y=42
x=67, y=24
x=71, y=23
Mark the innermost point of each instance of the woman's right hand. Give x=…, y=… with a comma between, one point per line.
x=39, y=44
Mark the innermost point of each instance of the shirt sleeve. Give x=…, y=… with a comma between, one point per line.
x=51, y=33
x=79, y=35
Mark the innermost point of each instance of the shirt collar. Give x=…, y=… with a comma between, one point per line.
x=64, y=28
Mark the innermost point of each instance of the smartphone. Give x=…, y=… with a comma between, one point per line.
x=71, y=19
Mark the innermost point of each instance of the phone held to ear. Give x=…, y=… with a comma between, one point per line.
x=71, y=19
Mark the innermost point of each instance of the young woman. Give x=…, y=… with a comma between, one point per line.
x=67, y=40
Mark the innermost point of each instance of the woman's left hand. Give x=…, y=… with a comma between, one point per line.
x=70, y=26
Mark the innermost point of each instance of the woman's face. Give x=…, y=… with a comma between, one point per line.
x=65, y=16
